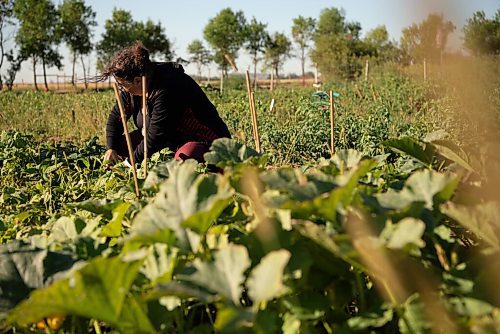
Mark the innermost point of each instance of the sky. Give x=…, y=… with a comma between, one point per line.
x=184, y=20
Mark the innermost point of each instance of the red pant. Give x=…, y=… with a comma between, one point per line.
x=189, y=150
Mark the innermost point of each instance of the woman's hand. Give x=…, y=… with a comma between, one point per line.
x=110, y=157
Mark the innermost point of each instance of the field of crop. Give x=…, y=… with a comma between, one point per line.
x=398, y=232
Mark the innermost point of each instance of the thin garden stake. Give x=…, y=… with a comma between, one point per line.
x=127, y=137
x=332, y=125
x=145, y=125
x=367, y=65
x=254, y=115
x=425, y=69
x=251, y=103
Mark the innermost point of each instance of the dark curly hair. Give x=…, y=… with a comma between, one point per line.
x=128, y=63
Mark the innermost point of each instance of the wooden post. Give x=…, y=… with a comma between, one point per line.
x=271, y=107
x=358, y=92
x=332, y=125
x=254, y=117
x=127, y=138
x=145, y=125
x=367, y=64
x=315, y=74
x=374, y=93
x=425, y=69
x=251, y=102
x=221, y=81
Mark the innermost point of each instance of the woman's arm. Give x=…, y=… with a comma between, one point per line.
x=114, y=125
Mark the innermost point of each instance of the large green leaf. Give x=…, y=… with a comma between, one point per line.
x=346, y=159
x=421, y=152
x=114, y=227
x=187, y=200
x=98, y=291
x=230, y=319
x=295, y=185
x=327, y=205
x=224, y=275
x=24, y=268
x=228, y=152
x=482, y=219
x=375, y=319
x=266, y=279
x=103, y=207
x=414, y=319
x=427, y=186
x=452, y=152
x=133, y=318
x=406, y=234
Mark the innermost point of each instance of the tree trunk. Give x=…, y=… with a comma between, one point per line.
x=73, y=70
x=302, y=63
x=2, y=54
x=84, y=72
x=45, y=75
x=255, y=73
x=34, y=72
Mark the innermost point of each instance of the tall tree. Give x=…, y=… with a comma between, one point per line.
x=257, y=39
x=75, y=26
x=277, y=51
x=482, y=35
x=121, y=31
x=337, y=45
x=6, y=16
x=226, y=33
x=199, y=55
x=428, y=39
x=155, y=40
x=37, y=35
x=302, y=33
x=379, y=45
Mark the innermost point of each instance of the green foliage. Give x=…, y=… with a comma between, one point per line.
x=256, y=41
x=337, y=45
x=278, y=49
x=199, y=54
x=428, y=39
x=199, y=253
x=302, y=33
x=482, y=35
x=37, y=35
x=226, y=33
x=191, y=254
x=121, y=31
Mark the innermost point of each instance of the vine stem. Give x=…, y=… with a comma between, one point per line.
x=97, y=327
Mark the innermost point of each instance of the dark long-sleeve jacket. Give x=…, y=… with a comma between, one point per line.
x=178, y=112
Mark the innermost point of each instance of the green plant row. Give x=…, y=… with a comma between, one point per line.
x=356, y=243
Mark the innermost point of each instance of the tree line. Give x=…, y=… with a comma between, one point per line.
x=335, y=45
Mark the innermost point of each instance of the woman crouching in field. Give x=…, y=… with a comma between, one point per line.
x=180, y=116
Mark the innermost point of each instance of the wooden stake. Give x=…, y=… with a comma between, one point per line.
x=332, y=125
x=254, y=115
x=425, y=69
x=145, y=124
x=271, y=107
x=374, y=93
x=251, y=102
x=221, y=81
x=367, y=64
x=358, y=92
x=127, y=137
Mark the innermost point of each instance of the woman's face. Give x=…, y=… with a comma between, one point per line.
x=134, y=87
